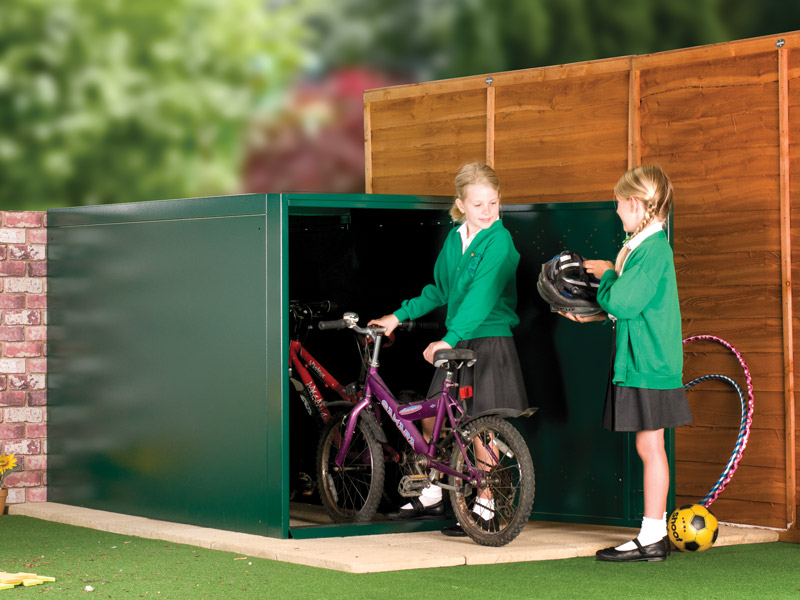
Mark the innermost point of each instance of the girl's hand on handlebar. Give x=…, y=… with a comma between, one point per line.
x=433, y=348
x=389, y=322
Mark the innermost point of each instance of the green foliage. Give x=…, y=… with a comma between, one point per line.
x=113, y=101
x=126, y=100
x=435, y=39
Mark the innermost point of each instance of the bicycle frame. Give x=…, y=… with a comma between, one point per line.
x=304, y=365
x=440, y=407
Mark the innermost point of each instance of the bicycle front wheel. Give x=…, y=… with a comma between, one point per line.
x=352, y=492
x=494, y=513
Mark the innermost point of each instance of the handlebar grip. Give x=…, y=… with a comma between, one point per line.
x=337, y=324
x=421, y=325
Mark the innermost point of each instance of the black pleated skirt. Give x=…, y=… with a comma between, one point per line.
x=641, y=409
x=496, y=377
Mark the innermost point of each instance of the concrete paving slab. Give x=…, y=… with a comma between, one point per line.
x=374, y=553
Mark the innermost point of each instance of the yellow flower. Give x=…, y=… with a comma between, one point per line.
x=7, y=462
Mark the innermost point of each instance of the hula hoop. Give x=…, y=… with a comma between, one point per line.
x=744, y=425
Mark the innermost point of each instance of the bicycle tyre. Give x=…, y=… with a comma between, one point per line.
x=511, y=482
x=353, y=493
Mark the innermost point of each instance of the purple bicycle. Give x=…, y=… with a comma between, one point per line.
x=484, y=459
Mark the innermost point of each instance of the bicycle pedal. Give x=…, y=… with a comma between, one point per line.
x=412, y=485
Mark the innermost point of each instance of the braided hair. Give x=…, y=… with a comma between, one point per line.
x=650, y=185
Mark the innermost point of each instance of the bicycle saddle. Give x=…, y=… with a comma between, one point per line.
x=444, y=358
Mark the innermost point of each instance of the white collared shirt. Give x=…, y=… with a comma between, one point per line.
x=634, y=242
x=466, y=241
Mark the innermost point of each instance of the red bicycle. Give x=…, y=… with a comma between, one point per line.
x=306, y=373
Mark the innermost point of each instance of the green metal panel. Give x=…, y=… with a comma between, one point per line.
x=157, y=357
x=168, y=340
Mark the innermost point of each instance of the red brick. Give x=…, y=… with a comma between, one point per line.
x=10, y=432
x=36, y=236
x=20, y=479
x=27, y=252
x=24, y=414
x=36, y=300
x=12, y=300
x=12, y=365
x=37, y=269
x=23, y=219
x=12, y=268
x=12, y=334
x=12, y=236
x=24, y=285
x=21, y=447
x=2, y=252
x=37, y=365
x=37, y=398
x=12, y=398
x=16, y=496
x=26, y=382
x=2, y=382
x=22, y=317
x=23, y=350
x=36, y=463
x=36, y=494
x=36, y=430
x=34, y=333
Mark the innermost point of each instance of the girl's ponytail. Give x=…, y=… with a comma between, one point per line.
x=649, y=184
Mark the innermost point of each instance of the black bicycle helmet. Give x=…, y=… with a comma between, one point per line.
x=566, y=286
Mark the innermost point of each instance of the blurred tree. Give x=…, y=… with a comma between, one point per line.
x=315, y=141
x=434, y=39
x=110, y=101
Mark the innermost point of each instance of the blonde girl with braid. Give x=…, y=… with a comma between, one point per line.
x=645, y=391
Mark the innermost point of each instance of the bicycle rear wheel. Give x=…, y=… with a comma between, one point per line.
x=353, y=492
x=496, y=447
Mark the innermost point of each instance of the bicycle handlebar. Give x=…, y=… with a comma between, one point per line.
x=313, y=309
x=423, y=325
x=351, y=322
x=337, y=324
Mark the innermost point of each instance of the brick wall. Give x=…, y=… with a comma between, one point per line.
x=23, y=362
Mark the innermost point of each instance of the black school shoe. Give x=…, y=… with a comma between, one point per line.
x=491, y=525
x=418, y=511
x=656, y=551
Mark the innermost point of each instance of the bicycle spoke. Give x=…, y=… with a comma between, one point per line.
x=506, y=490
x=352, y=492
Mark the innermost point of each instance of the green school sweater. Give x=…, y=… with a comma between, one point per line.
x=478, y=286
x=645, y=302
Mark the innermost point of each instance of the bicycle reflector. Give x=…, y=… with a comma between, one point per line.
x=566, y=286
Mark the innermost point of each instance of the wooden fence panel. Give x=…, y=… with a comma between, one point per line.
x=562, y=140
x=706, y=122
x=416, y=144
x=793, y=108
x=724, y=122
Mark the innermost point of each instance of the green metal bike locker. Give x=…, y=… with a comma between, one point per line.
x=168, y=337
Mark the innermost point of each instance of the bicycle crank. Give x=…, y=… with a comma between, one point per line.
x=412, y=485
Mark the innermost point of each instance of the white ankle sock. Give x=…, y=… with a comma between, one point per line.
x=652, y=530
x=484, y=508
x=429, y=496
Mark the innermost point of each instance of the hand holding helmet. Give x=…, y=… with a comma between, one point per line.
x=566, y=285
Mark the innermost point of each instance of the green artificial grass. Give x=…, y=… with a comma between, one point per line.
x=121, y=566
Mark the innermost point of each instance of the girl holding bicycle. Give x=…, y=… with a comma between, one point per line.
x=646, y=393
x=475, y=277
